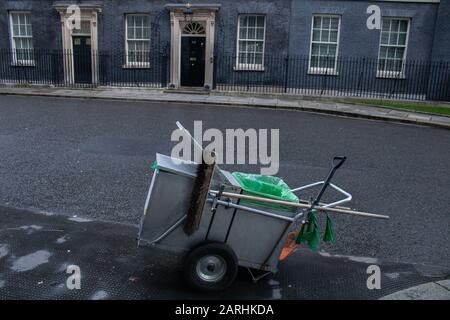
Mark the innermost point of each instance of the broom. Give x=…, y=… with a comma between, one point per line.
x=202, y=183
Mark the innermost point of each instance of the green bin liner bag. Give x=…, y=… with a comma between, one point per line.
x=328, y=235
x=265, y=187
x=309, y=232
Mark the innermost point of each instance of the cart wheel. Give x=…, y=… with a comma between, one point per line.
x=211, y=267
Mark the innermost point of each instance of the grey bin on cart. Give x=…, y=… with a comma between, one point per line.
x=256, y=239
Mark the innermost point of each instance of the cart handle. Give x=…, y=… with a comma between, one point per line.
x=337, y=165
x=334, y=166
x=348, y=196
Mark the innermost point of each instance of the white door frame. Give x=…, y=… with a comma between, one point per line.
x=87, y=13
x=206, y=15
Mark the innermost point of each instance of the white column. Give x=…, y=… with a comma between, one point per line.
x=94, y=47
x=209, y=54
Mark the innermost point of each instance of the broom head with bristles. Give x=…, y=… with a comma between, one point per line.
x=202, y=184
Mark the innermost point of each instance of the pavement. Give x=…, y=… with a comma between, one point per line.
x=225, y=99
x=436, y=290
x=37, y=250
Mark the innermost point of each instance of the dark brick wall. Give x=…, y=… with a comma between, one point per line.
x=288, y=31
x=355, y=38
x=46, y=37
x=44, y=19
x=288, y=24
x=441, y=48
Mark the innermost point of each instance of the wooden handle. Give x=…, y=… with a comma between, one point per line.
x=301, y=205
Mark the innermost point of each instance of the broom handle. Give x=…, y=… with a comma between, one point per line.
x=323, y=204
x=180, y=126
x=300, y=205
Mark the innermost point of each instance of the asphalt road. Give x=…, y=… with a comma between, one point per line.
x=36, y=251
x=92, y=158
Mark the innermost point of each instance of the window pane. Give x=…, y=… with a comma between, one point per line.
x=402, y=39
x=130, y=33
x=138, y=21
x=316, y=35
x=252, y=21
x=260, y=23
x=28, y=30
x=332, y=50
x=138, y=27
x=15, y=18
x=333, y=36
x=395, y=25
x=130, y=21
x=315, y=49
x=138, y=34
x=243, y=21
x=21, y=33
x=251, y=33
x=393, y=38
x=317, y=22
x=242, y=33
x=334, y=23
x=242, y=58
x=146, y=33
x=381, y=64
x=258, y=47
x=383, y=52
x=243, y=46
x=85, y=27
x=404, y=26
x=314, y=62
x=392, y=45
x=325, y=39
x=260, y=33
x=390, y=52
x=258, y=58
x=325, y=36
x=22, y=30
x=251, y=39
x=399, y=53
x=384, y=37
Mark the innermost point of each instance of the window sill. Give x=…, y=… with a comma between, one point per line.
x=323, y=72
x=23, y=64
x=248, y=68
x=136, y=66
x=391, y=75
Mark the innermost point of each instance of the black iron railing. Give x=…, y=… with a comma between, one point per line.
x=286, y=74
x=344, y=76
x=74, y=69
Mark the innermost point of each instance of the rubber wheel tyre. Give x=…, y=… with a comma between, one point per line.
x=211, y=267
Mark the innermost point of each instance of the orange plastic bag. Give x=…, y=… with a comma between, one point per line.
x=290, y=245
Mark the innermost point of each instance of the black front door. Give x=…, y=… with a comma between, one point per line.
x=193, y=61
x=82, y=62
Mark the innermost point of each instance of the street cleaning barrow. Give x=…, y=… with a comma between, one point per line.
x=222, y=220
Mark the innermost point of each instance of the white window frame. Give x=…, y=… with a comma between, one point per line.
x=393, y=74
x=324, y=71
x=16, y=61
x=132, y=64
x=250, y=66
